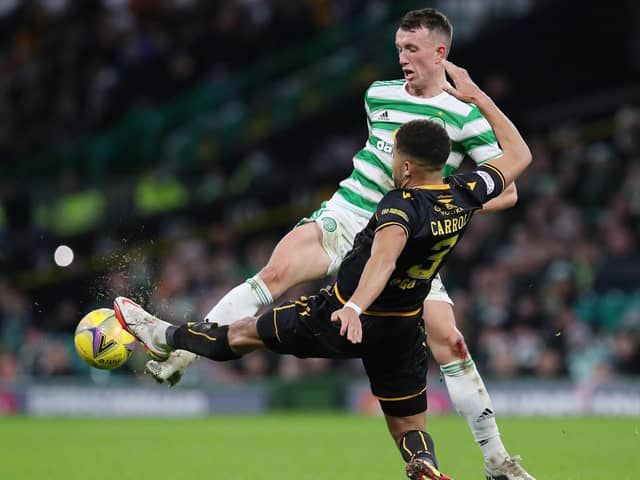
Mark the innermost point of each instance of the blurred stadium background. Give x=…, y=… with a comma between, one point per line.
x=171, y=143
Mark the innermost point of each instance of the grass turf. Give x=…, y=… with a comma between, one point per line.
x=300, y=447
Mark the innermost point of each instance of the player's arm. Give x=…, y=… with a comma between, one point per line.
x=507, y=199
x=516, y=154
x=385, y=250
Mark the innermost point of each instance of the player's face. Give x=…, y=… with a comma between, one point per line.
x=420, y=53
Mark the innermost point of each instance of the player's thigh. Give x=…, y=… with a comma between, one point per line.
x=298, y=257
x=303, y=328
x=439, y=319
x=445, y=340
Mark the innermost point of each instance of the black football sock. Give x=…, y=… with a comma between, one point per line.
x=418, y=444
x=206, y=339
x=168, y=336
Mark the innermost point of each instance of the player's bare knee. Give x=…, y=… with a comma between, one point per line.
x=457, y=345
x=272, y=274
x=242, y=332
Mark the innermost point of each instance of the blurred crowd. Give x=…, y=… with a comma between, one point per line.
x=69, y=68
x=548, y=289
x=552, y=287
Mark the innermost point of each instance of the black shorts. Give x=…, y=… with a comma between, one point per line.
x=393, y=349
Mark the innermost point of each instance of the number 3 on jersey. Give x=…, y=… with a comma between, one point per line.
x=438, y=252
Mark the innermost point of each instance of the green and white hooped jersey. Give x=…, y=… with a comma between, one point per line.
x=389, y=105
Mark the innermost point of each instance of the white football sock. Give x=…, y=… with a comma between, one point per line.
x=242, y=301
x=471, y=400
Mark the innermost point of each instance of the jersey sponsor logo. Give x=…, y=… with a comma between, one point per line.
x=403, y=283
x=395, y=211
x=384, y=115
x=329, y=224
x=385, y=147
x=491, y=186
x=450, y=209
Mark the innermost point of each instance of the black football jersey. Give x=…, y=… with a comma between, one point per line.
x=435, y=217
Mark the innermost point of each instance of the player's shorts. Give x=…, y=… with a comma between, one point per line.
x=393, y=349
x=339, y=225
x=438, y=292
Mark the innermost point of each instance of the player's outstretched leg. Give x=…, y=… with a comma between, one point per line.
x=151, y=331
x=242, y=301
x=468, y=392
x=284, y=270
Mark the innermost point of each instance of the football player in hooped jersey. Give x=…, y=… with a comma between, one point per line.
x=374, y=310
x=317, y=246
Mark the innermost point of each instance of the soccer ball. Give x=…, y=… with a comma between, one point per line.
x=100, y=340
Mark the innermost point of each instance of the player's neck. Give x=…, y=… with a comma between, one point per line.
x=427, y=179
x=430, y=90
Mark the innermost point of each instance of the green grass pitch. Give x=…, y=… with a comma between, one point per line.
x=300, y=447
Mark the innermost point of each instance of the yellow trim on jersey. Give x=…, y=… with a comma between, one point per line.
x=386, y=224
x=378, y=314
x=504, y=183
x=444, y=186
x=397, y=399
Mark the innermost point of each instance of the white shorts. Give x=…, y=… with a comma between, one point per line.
x=340, y=225
x=438, y=292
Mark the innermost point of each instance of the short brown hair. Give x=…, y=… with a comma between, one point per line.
x=426, y=142
x=429, y=18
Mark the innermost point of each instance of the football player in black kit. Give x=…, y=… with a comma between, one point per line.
x=373, y=311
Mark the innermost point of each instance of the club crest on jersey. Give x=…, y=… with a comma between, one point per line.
x=329, y=224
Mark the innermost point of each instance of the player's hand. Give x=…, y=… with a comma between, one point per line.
x=463, y=87
x=349, y=324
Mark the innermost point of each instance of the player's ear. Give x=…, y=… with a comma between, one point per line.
x=441, y=53
x=407, y=169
